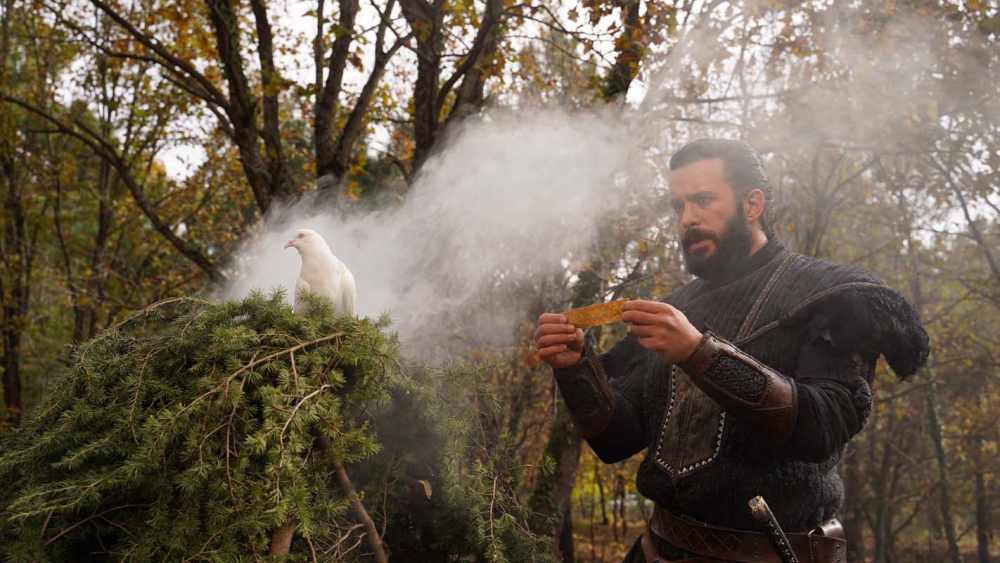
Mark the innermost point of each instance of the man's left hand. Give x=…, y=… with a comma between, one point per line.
x=662, y=329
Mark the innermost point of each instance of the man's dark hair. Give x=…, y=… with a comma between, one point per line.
x=743, y=167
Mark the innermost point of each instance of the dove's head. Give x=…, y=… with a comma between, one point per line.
x=306, y=241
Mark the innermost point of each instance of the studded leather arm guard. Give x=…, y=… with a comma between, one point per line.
x=759, y=397
x=588, y=394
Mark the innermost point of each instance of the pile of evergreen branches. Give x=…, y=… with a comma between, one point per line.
x=237, y=431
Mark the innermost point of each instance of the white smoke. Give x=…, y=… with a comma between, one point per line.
x=513, y=193
x=511, y=196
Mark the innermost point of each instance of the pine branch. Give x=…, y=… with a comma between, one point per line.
x=360, y=514
x=281, y=541
x=187, y=405
x=93, y=517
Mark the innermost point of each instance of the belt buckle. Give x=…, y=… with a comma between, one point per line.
x=812, y=543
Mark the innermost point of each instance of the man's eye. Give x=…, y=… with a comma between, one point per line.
x=677, y=207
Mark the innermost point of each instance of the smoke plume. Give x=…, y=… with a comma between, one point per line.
x=507, y=195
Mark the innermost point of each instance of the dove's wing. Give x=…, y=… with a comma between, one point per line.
x=348, y=292
x=301, y=286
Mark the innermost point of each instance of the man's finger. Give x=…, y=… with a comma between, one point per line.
x=553, y=329
x=552, y=318
x=552, y=350
x=642, y=318
x=647, y=306
x=550, y=339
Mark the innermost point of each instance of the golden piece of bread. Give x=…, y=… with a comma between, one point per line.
x=595, y=315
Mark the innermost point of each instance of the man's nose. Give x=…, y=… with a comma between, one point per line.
x=689, y=217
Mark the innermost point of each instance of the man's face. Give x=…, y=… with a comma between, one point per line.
x=714, y=230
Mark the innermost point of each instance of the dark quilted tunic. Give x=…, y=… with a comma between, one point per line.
x=820, y=323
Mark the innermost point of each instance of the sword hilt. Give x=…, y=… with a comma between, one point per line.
x=775, y=535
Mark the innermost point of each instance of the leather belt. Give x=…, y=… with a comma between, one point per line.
x=823, y=544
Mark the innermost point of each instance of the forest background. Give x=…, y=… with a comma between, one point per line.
x=153, y=148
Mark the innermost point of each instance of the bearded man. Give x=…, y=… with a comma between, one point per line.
x=747, y=381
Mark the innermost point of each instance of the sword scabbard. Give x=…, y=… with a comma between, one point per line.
x=775, y=535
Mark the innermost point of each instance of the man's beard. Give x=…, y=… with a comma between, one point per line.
x=734, y=245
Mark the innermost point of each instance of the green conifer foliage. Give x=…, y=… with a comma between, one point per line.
x=196, y=431
x=470, y=507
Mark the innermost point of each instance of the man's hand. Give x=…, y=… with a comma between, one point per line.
x=559, y=343
x=662, y=329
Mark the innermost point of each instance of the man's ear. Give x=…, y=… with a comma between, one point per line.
x=753, y=205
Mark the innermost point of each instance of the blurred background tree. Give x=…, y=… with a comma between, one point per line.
x=878, y=121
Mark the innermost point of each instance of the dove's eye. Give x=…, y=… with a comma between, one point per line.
x=301, y=235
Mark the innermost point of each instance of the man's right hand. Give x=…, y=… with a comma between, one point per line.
x=560, y=344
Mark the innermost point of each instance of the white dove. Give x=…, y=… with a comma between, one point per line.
x=322, y=273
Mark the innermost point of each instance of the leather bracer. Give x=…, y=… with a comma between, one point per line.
x=587, y=393
x=762, y=399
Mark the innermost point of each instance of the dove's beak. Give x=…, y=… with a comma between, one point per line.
x=290, y=243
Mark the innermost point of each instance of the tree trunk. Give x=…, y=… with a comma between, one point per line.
x=328, y=99
x=853, y=519
x=565, y=478
x=629, y=47
x=937, y=435
x=429, y=92
x=880, y=529
x=243, y=106
x=14, y=291
x=600, y=490
x=426, y=19
x=15, y=253
x=271, y=84
x=551, y=495
x=933, y=404
x=564, y=541
x=882, y=522
x=12, y=378
x=623, y=491
x=343, y=152
x=470, y=95
x=982, y=504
